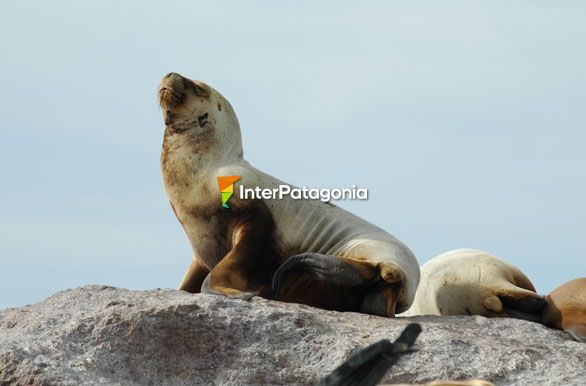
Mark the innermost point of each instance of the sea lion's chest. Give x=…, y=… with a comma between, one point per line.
x=208, y=232
x=209, y=236
x=194, y=196
x=187, y=179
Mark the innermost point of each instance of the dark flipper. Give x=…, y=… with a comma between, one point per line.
x=368, y=366
x=327, y=268
x=576, y=335
x=527, y=308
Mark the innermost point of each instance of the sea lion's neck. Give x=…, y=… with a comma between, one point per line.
x=200, y=149
x=194, y=156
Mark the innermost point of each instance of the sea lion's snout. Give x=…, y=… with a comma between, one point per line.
x=175, y=79
x=174, y=90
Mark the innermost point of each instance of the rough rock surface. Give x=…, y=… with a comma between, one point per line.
x=104, y=335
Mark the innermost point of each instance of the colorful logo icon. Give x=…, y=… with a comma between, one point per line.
x=226, y=184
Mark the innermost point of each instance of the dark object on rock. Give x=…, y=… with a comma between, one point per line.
x=368, y=366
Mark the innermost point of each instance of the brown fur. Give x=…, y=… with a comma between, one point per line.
x=194, y=277
x=251, y=260
x=566, y=307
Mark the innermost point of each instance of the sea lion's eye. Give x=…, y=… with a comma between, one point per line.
x=219, y=107
x=203, y=119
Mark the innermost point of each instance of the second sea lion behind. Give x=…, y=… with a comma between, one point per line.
x=473, y=282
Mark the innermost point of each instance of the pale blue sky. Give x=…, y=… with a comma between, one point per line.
x=466, y=120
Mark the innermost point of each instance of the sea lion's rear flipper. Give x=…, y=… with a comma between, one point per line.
x=524, y=305
x=325, y=267
x=368, y=366
x=383, y=282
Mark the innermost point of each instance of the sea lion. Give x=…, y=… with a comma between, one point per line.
x=472, y=282
x=303, y=251
x=566, y=309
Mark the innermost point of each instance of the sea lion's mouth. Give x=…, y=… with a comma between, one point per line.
x=173, y=90
x=167, y=90
x=169, y=98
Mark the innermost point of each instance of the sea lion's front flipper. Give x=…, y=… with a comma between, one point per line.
x=369, y=365
x=328, y=268
x=245, y=270
x=194, y=277
x=207, y=289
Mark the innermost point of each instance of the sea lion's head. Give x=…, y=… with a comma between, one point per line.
x=196, y=112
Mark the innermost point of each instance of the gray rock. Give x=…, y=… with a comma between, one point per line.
x=100, y=335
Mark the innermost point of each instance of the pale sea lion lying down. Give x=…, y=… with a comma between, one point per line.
x=566, y=309
x=303, y=251
x=472, y=282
